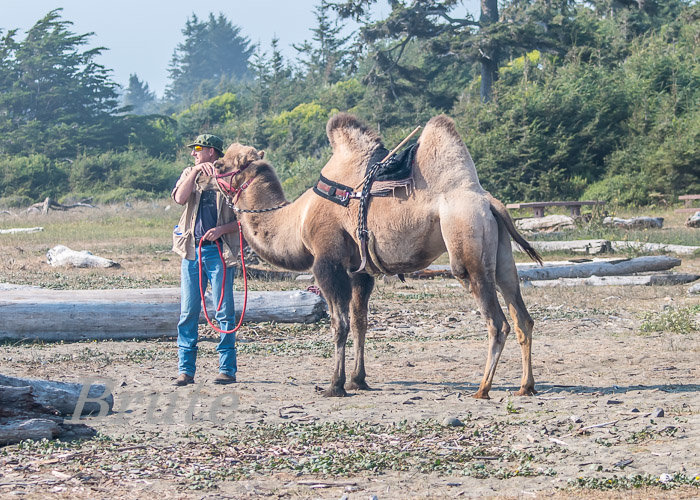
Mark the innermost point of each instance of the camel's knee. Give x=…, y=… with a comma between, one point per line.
x=524, y=331
x=499, y=333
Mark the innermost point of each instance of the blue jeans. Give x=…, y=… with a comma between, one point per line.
x=191, y=306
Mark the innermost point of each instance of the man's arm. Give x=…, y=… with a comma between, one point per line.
x=185, y=186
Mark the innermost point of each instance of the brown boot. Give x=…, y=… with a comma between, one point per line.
x=183, y=379
x=223, y=379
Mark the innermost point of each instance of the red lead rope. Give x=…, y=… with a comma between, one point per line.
x=223, y=283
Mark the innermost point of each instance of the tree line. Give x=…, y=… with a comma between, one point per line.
x=556, y=99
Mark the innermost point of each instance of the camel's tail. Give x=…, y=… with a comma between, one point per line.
x=501, y=213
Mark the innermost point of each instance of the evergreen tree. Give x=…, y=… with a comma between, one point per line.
x=138, y=96
x=213, y=53
x=53, y=96
x=327, y=60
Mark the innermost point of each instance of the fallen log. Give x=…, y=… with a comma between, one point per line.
x=693, y=220
x=570, y=269
x=590, y=247
x=62, y=396
x=61, y=255
x=593, y=247
x=16, y=430
x=634, y=222
x=638, y=246
x=547, y=223
x=51, y=204
x=445, y=271
x=610, y=268
x=70, y=315
x=17, y=230
x=646, y=280
x=22, y=416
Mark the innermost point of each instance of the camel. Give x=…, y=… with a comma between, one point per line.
x=446, y=211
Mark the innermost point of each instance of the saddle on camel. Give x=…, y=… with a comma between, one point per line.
x=443, y=208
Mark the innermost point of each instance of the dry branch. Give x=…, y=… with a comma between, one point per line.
x=51, y=204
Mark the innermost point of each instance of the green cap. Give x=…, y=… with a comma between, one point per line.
x=209, y=141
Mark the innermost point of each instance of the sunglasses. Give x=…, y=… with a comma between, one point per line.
x=197, y=148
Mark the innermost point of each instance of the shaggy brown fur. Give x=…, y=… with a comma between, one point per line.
x=447, y=211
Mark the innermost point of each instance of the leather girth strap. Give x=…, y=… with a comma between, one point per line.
x=333, y=191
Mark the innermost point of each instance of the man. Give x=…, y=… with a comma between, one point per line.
x=208, y=218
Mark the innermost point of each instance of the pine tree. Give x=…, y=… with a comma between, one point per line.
x=327, y=60
x=53, y=95
x=213, y=53
x=138, y=96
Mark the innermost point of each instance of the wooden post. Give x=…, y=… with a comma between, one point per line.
x=575, y=210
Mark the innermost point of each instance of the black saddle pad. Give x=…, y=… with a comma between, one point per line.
x=396, y=168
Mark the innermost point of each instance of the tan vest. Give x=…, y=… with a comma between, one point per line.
x=183, y=234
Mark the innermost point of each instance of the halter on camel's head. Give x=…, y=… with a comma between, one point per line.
x=236, y=159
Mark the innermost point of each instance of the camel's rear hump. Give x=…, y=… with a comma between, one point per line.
x=442, y=154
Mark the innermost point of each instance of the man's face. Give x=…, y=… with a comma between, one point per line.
x=204, y=154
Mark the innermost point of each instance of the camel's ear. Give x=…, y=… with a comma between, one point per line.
x=261, y=153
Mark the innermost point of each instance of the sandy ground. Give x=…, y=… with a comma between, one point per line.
x=594, y=422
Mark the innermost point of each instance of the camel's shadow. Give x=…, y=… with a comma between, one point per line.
x=542, y=388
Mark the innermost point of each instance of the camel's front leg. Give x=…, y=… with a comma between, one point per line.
x=362, y=285
x=334, y=283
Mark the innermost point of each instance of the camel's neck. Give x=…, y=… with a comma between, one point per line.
x=275, y=235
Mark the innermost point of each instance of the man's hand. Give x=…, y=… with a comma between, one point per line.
x=213, y=234
x=207, y=168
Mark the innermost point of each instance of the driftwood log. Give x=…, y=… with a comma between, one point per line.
x=646, y=280
x=589, y=247
x=54, y=315
x=610, y=268
x=61, y=255
x=594, y=247
x=638, y=246
x=18, y=230
x=51, y=204
x=693, y=220
x=634, y=222
x=547, y=223
x=29, y=409
x=63, y=396
x=570, y=269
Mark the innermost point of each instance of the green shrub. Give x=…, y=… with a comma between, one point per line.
x=15, y=201
x=131, y=170
x=35, y=176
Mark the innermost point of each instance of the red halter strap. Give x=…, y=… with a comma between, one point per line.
x=228, y=188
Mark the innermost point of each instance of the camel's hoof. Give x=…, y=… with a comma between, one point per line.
x=357, y=386
x=526, y=391
x=481, y=395
x=335, y=392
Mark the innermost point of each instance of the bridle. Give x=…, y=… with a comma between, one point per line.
x=231, y=194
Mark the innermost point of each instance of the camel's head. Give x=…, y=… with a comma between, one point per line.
x=238, y=157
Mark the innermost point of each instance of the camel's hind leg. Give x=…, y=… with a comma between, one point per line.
x=509, y=285
x=362, y=285
x=473, y=262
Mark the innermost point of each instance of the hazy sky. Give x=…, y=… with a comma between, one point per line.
x=142, y=35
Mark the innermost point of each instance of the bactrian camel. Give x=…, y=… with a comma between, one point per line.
x=447, y=210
